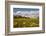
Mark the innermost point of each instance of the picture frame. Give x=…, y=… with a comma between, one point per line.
x=15, y=6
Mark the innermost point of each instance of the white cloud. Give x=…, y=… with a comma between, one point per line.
x=26, y=13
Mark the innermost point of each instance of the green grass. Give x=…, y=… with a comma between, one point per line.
x=25, y=22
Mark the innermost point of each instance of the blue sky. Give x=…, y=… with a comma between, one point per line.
x=26, y=12
x=24, y=9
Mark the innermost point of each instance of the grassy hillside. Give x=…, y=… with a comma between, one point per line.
x=20, y=22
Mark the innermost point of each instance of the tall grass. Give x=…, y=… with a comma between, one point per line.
x=20, y=22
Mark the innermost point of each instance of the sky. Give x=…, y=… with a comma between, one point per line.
x=24, y=9
x=26, y=12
